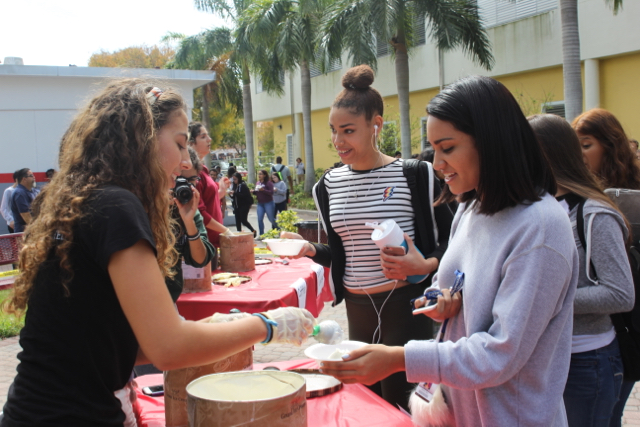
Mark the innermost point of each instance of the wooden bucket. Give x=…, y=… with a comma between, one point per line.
x=196, y=279
x=257, y=399
x=176, y=381
x=236, y=252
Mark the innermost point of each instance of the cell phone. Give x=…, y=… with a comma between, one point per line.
x=394, y=250
x=153, y=390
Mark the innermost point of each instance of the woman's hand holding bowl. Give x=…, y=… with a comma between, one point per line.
x=307, y=250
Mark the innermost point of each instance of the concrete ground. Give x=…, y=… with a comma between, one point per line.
x=9, y=348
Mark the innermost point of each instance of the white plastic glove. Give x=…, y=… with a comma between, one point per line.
x=227, y=232
x=224, y=318
x=294, y=325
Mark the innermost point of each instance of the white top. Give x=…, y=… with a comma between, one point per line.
x=358, y=197
x=300, y=168
x=5, y=207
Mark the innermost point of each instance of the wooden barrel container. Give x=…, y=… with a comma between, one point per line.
x=256, y=399
x=236, y=252
x=176, y=381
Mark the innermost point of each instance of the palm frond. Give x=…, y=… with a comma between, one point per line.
x=616, y=5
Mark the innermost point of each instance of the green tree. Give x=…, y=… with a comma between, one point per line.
x=245, y=57
x=571, y=69
x=350, y=25
x=221, y=98
x=133, y=57
x=286, y=33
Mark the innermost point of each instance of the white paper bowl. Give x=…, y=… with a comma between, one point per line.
x=321, y=352
x=285, y=247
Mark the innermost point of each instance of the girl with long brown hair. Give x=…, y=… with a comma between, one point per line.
x=605, y=148
x=94, y=262
x=595, y=372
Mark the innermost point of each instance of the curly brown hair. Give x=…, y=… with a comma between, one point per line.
x=111, y=141
x=619, y=166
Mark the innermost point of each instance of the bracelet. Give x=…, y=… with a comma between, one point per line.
x=270, y=324
x=194, y=237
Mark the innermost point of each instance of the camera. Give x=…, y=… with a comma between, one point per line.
x=182, y=190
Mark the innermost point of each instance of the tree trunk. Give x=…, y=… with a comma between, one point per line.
x=248, y=124
x=205, y=107
x=310, y=176
x=571, y=72
x=402, y=82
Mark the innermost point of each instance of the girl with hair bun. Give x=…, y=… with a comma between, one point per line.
x=93, y=267
x=372, y=187
x=503, y=351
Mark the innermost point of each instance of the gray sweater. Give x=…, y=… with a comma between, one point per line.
x=614, y=293
x=505, y=357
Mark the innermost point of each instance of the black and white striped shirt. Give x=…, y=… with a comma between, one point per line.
x=358, y=197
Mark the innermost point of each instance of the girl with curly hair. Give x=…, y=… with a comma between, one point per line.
x=94, y=263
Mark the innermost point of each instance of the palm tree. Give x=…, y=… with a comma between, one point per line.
x=285, y=32
x=571, y=71
x=351, y=24
x=243, y=55
x=210, y=49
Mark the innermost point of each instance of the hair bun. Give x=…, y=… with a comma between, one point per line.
x=359, y=77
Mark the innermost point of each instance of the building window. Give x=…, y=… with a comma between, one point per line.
x=420, y=30
x=383, y=48
x=289, y=149
x=335, y=65
x=424, y=144
x=556, y=108
x=500, y=12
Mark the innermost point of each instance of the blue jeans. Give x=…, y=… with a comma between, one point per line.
x=618, y=410
x=593, y=386
x=270, y=209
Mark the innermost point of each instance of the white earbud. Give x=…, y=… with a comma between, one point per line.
x=375, y=130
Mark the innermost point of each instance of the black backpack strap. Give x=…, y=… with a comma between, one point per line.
x=417, y=176
x=583, y=240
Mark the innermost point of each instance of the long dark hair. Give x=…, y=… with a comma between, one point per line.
x=513, y=168
x=265, y=174
x=619, y=166
x=561, y=146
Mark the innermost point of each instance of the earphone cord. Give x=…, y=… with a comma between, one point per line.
x=378, y=331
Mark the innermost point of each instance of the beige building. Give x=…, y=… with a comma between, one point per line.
x=526, y=41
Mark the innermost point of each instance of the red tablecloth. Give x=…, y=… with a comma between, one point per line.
x=269, y=288
x=354, y=405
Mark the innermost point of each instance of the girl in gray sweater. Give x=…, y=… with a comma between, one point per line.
x=595, y=373
x=504, y=354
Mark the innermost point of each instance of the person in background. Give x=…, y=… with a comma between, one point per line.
x=605, y=149
x=279, y=193
x=94, y=262
x=49, y=174
x=210, y=193
x=300, y=170
x=504, y=353
x=595, y=373
x=22, y=198
x=213, y=173
x=284, y=171
x=219, y=170
x=264, y=193
x=241, y=200
x=5, y=206
x=398, y=155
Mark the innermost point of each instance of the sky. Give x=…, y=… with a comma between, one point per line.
x=64, y=32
